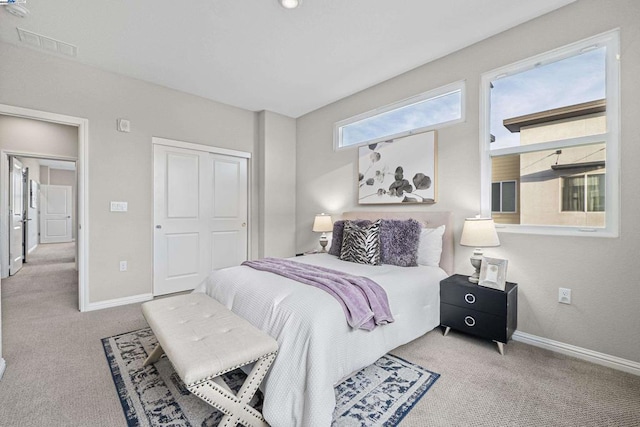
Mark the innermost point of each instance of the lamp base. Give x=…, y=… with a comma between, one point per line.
x=476, y=262
x=323, y=243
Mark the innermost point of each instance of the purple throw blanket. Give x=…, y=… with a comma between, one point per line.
x=364, y=302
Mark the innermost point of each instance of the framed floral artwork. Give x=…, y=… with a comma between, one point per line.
x=403, y=170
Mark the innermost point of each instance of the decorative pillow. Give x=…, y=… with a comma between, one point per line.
x=399, y=241
x=430, y=247
x=338, y=227
x=361, y=244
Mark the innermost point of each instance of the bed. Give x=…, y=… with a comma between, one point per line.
x=317, y=347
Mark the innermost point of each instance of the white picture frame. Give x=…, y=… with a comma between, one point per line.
x=493, y=273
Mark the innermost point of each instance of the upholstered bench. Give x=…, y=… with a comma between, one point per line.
x=203, y=340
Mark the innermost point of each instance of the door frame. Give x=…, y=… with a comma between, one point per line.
x=82, y=173
x=208, y=149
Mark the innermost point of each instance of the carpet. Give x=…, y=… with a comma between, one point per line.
x=379, y=395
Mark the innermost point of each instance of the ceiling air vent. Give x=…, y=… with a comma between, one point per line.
x=47, y=43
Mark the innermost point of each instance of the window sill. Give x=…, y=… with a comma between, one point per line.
x=550, y=230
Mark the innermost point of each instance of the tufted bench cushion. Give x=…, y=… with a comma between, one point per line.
x=203, y=340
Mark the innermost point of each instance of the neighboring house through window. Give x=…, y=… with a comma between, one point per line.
x=578, y=197
x=550, y=141
x=503, y=196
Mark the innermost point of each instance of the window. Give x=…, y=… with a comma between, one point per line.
x=550, y=141
x=503, y=197
x=576, y=199
x=421, y=113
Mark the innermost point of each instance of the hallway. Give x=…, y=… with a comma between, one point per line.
x=56, y=372
x=48, y=279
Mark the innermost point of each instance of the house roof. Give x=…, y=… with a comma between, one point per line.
x=577, y=110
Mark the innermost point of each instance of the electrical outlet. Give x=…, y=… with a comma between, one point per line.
x=564, y=295
x=123, y=265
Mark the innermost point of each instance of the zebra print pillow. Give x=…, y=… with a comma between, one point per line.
x=361, y=244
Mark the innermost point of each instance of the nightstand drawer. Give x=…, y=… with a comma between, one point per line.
x=458, y=291
x=474, y=322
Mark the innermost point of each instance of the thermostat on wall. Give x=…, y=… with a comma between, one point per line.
x=124, y=125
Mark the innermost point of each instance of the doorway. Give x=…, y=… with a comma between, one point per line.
x=79, y=127
x=42, y=202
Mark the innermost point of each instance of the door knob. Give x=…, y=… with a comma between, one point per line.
x=158, y=227
x=244, y=224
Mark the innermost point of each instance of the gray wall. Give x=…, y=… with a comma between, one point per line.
x=277, y=176
x=28, y=136
x=603, y=316
x=120, y=164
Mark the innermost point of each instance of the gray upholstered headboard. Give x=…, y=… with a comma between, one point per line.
x=430, y=219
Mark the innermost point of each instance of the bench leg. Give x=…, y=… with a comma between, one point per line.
x=236, y=407
x=155, y=355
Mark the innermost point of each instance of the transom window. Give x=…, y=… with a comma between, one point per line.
x=421, y=113
x=550, y=127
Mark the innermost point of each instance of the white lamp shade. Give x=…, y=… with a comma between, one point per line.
x=479, y=232
x=322, y=223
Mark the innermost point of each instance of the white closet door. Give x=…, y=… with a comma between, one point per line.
x=228, y=217
x=200, y=216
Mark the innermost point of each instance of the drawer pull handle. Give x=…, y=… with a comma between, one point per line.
x=469, y=321
x=470, y=298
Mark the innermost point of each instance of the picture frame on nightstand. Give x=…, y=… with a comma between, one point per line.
x=493, y=273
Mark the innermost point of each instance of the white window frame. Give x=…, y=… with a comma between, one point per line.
x=515, y=183
x=443, y=90
x=611, y=40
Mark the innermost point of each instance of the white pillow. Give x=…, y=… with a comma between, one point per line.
x=430, y=246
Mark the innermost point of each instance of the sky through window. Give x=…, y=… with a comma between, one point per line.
x=570, y=81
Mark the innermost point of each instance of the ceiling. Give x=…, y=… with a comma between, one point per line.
x=256, y=55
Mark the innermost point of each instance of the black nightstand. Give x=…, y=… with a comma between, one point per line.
x=483, y=312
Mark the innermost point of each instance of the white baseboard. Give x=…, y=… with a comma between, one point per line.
x=3, y=365
x=579, y=353
x=118, y=302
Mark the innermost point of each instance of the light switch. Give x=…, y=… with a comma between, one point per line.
x=119, y=206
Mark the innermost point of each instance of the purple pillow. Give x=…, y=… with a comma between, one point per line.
x=338, y=230
x=399, y=241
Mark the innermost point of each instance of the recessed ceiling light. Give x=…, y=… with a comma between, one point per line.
x=289, y=4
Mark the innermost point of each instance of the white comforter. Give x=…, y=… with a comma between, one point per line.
x=317, y=347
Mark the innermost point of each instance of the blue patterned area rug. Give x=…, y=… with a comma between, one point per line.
x=379, y=395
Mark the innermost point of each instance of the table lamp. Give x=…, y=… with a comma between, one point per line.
x=323, y=224
x=478, y=233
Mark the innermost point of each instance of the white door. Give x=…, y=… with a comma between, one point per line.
x=55, y=214
x=200, y=216
x=16, y=214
